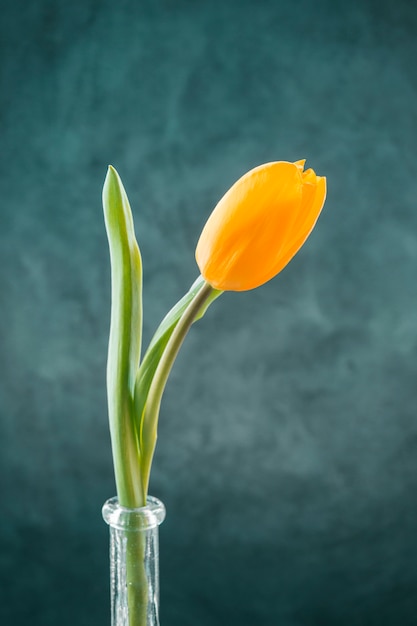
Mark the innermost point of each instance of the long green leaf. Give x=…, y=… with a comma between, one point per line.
x=125, y=338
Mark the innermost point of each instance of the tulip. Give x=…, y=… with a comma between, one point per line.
x=259, y=225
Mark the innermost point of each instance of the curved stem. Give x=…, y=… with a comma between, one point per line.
x=148, y=433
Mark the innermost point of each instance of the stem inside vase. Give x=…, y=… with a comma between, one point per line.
x=134, y=562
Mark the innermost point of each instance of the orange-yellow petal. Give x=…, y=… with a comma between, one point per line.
x=251, y=234
x=308, y=216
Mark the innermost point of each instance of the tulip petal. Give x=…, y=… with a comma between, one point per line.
x=311, y=214
x=300, y=164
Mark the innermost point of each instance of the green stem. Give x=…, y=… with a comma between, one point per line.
x=136, y=578
x=148, y=433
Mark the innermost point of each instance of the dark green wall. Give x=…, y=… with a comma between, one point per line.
x=287, y=455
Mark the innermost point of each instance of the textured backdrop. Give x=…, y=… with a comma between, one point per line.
x=287, y=453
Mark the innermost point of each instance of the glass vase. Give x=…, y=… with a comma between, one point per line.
x=134, y=562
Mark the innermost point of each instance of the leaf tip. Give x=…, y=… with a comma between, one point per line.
x=112, y=186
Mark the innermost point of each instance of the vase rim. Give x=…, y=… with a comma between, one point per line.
x=137, y=519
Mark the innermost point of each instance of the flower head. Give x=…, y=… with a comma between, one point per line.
x=259, y=225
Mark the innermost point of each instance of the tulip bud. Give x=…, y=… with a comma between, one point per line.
x=259, y=225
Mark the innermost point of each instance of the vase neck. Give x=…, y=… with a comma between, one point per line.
x=134, y=562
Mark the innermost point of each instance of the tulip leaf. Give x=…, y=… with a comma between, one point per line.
x=125, y=338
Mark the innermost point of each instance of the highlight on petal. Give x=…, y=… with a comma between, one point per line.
x=259, y=224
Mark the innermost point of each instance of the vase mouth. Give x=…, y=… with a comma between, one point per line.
x=138, y=519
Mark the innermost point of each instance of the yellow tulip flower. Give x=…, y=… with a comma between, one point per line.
x=259, y=225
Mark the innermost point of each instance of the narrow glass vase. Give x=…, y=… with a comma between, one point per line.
x=134, y=562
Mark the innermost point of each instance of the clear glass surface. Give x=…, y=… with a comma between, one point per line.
x=134, y=562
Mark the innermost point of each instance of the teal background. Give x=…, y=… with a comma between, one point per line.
x=287, y=453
